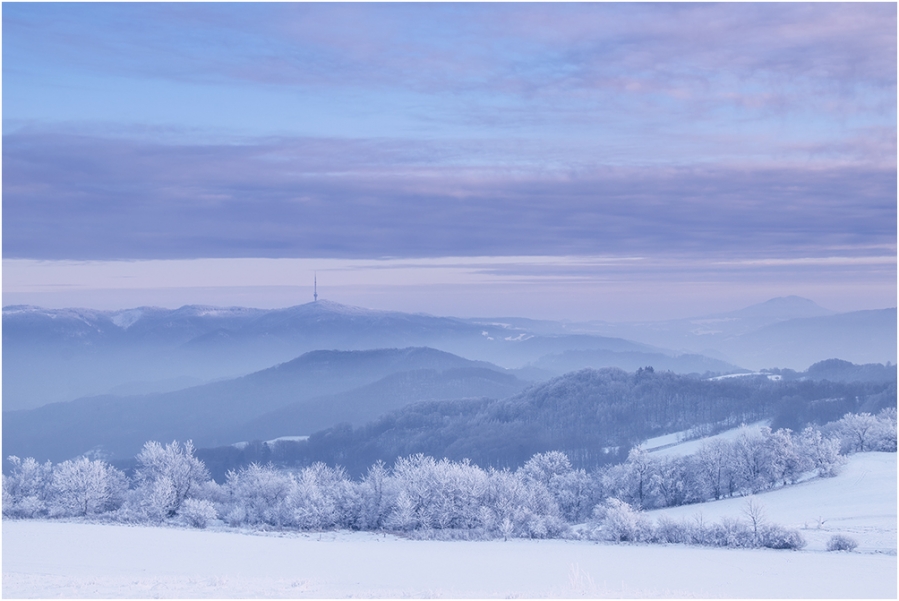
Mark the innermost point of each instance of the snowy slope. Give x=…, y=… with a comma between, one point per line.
x=47, y=559
x=675, y=445
x=860, y=502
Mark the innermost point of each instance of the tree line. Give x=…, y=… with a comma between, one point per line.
x=425, y=497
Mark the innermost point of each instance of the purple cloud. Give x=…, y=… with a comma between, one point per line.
x=95, y=198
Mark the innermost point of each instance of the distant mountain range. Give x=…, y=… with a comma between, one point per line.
x=788, y=332
x=60, y=355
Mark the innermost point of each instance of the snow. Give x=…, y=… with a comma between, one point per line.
x=669, y=444
x=126, y=319
x=60, y=559
x=243, y=444
x=773, y=377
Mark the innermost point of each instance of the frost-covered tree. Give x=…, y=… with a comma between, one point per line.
x=443, y=494
x=572, y=489
x=630, y=481
x=81, y=487
x=259, y=495
x=671, y=483
x=575, y=494
x=323, y=498
x=166, y=476
x=377, y=497
x=751, y=462
x=754, y=510
x=822, y=453
x=521, y=508
x=784, y=462
x=884, y=437
x=857, y=431
x=26, y=487
x=715, y=469
x=542, y=467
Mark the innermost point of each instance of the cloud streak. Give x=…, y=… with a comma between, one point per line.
x=100, y=198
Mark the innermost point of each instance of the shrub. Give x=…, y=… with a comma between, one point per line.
x=773, y=536
x=619, y=522
x=730, y=533
x=668, y=530
x=838, y=542
x=197, y=512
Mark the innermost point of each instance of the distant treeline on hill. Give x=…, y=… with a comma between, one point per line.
x=593, y=416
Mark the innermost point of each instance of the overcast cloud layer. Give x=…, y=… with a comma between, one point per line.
x=740, y=132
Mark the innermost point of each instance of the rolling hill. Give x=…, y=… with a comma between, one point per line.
x=315, y=390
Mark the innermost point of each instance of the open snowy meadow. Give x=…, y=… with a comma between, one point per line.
x=44, y=559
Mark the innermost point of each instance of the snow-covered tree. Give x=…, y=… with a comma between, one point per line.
x=884, y=437
x=715, y=469
x=26, y=487
x=259, y=495
x=822, y=453
x=575, y=493
x=166, y=476
x=377, y=496
x=444, y=494
x=323, y=498
x=857, y=431
x=82, y=487
x=751, y=462
x=520, y=508
x=542, y=467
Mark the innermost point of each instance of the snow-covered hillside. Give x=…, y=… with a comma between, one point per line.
x=860, y=502
x=59, y=559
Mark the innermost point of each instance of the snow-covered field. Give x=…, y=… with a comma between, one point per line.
x=45, y=559
x=59, y=559
x=860, y=503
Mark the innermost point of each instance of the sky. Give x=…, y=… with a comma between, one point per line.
x=562, y=161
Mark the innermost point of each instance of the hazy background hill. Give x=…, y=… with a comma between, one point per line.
x=314, y=391
x=60, y=355
x=789, y=332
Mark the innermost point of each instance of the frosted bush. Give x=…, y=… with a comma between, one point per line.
x=839, y=542
x=619, y=522
x=773, y=536
x=668, y=530
x=198, y=512
x=731, y=533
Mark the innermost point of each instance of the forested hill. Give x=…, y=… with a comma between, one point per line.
x=594, y=416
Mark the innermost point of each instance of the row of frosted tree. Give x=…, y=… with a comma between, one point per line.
x=427, y=497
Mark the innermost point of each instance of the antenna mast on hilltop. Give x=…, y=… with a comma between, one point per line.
x=315, y=287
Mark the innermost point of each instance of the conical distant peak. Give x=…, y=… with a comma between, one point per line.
x=785, y=307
